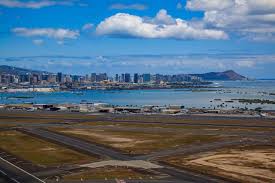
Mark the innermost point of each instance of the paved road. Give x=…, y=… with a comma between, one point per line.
x=113, y=118
x=4, y=178
x=77, y=144
x=13, y=174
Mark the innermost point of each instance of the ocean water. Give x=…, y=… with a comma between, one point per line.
x=199, y=98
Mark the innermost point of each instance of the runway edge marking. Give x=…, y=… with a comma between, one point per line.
x=22, y=170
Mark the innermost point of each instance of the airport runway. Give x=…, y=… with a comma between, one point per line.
x=177, y=175
x=12, y=174
x=112, y=118
x=77, y=144
x=270, y=126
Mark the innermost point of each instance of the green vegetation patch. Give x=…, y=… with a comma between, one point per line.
x=255, y=101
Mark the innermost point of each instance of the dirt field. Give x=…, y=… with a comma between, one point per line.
x=6, y=125
x=137, y=142
x=250, y=164
x=39, y=152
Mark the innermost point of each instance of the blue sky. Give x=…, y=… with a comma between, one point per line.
x=157, y=36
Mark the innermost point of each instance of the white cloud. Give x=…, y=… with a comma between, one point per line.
x=87, y=26
x=163, y=18
x=32, y=4
x=119, y=6
x=239, y=16
x=208, y=5
x=38, y=41
x=161, y=26
x=59, y=33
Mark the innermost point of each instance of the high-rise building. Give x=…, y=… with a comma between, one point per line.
x=87, y=78
x=34, y=79
x=136, y=78
x=117, y=78
x=101, y=77
x=44, y=77
x=68, y=79
x=75, y=78
x=24, y=78
x=52, y=78
x=93, y=77
x=122, y=79
x=59, y=77
x=146, y=78
x=127, y=78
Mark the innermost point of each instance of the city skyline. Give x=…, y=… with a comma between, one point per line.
x=44, y=77
x=193, y=36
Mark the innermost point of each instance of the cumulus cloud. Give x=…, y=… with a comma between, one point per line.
x=59, y=33
x=32, y=4
x=239, y=16
x=163, y=18
x=160, y=26
x=119, y=6
x=206, y=5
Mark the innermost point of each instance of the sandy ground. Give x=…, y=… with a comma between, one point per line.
x=109, y=138
x=118, y=142
x=133, y=163
x=249, y=165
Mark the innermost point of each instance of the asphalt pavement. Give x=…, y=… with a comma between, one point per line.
x=12, y=174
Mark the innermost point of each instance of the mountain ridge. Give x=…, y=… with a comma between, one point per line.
x=5, y=69
x=228, y=75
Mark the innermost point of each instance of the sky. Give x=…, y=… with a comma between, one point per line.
x=156, y=36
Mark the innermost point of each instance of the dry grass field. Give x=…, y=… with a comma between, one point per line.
x=40, y=152
x=137, y=142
